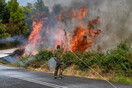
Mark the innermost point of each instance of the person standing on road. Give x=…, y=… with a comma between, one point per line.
x=59, y=62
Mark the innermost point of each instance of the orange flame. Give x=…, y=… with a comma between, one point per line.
x=35, y=37
x=83, y=13
x=83, y=38
x=74, y=15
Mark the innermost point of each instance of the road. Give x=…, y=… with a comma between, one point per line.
x=4, y=53
x=14, y=77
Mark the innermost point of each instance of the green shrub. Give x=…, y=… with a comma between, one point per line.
x=24, y=58
x=117, y=60
x=69, y=59
x=40, y=58
x=123, y=80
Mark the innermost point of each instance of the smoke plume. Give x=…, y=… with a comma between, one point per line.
x=115, y=18
x=17, y=39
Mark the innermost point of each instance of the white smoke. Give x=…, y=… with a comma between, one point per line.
x=17, y=38
x=13, y=59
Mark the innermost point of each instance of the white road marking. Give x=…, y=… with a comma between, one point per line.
x=39, y=82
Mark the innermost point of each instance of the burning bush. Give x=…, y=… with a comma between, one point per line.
x=47, y=35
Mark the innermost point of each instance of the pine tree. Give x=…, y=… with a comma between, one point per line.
x=4, y=11
x=16, y=24
x=3, y=30
x=39, y=6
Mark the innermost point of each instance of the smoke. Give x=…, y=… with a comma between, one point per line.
x=51, y=63
x=13, y=59
x=115, y=18
x=52, y=3
x=18, y=39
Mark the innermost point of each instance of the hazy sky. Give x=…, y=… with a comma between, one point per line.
x=24, y=2
x=49, y=3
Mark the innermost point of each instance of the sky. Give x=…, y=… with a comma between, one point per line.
x=49, y=3
x=24, y=2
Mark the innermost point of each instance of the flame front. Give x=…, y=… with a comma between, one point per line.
x=83, y=37
x=80, y=39
x=35, y=37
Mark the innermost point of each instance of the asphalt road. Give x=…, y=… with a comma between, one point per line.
x=13, y=77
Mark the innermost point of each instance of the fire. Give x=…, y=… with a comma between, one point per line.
x=58, y=35
x=83, y=13
x=83, y=37
x=37, y=24
x=74, y=15
x=80, y=39
x=35, y=37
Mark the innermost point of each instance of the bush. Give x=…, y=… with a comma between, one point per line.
x=117, y=60
x=24, y=58
x=3, y=30
x=40, y=58
x=69, y=59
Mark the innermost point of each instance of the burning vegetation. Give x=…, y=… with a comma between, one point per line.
x=81, y=38
x=99, y=25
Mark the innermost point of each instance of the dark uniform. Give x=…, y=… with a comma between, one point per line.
x=59, y=62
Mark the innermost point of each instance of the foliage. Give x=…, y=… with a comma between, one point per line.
x=28, y=12
x=40, y=7
x=117, y=60
x=3, y=30
x=122, y=79
x=40, y=58
x=31, y=12
x=69, y=59
x=4, y=11
x=24, y=58
x=16, y=21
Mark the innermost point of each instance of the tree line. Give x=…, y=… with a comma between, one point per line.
x=16, y=19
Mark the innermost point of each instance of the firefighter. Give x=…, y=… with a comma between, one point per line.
x=59, y=62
